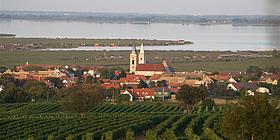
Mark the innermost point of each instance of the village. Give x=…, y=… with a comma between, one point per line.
x=149, y=81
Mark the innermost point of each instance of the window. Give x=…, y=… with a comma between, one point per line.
x=132, y=62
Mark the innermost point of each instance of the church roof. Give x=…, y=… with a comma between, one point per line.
x=150, y=67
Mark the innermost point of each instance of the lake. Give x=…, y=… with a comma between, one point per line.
x=205, y=37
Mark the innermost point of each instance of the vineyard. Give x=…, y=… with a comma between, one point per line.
x=49, y=120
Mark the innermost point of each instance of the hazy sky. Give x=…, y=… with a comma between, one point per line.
x=204, y=7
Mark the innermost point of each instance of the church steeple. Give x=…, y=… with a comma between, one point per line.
x=142, y=59
x=133, y=60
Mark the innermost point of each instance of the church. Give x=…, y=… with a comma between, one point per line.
x=139, y=66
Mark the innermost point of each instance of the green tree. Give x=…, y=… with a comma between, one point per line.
x=33, y=68
x=129, y=135
x=161, y=83
x=108, y=135
x=56, y=82
x=152, y=84
x=82, y=98
x=113, y=73
x=120, y=98
x=142, y=84
x=220, y=90
x=253, y=118
x=150, y=135
x=169, y=135
x=2, y=69
x=254, y=70
x=13, y=94
x=36, y=89
x=191, y=95
x=51, y=137
x=88, y=136
x=69, y=137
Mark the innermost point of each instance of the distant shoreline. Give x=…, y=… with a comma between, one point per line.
x=14, y=43
x=137, y=18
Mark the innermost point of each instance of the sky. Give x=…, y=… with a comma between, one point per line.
x=185, y=7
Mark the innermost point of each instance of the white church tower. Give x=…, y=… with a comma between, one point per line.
x=133, y=60
x=142, y=59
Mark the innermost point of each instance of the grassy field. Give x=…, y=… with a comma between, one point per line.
x=11, y=58
x=231, y=66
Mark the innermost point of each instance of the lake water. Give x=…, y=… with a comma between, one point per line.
x=214, y=37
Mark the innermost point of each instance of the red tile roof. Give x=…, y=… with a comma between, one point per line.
x=142, y=92
x=173, y=85
x=132, y=78
x=173, y=89
x=155, y=77
x=113, y=85
x=150, y=67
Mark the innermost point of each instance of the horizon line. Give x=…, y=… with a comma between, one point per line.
x=136, y=13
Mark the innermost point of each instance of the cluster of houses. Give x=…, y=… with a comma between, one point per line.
x=140, y=70
x=64, y=73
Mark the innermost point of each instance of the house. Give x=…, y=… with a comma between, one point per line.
x=173, y=78
x=132, y=79
x=242, y=86
x=8, y=71
x=162, y=92
x=206, y=80
x=110, y=85
x=221, y=77
x=193, y=82
x=1, y=88
x=231, y=80
x=155, y=77
x=140, y=94
x=262, y=90
x=249, y=88
x=269, y=80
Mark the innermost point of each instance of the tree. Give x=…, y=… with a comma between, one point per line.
x=254, y=70
x=108, y=136
x=114, y=73
x=2, y=69
x=191, y=95
x=51, y=137
x=220, y=90
x=69, y=137
x=142, y=84
x=56, y=82
x=253, y=118
x=82, y=98
x=169, y=135
x=111, y=92
x=36, y=89
x=152, y=84
x=275, y=90
x=120, y=98
x=88, y=136
x=162, y=83
x=33, y=68
x=273, y=69
x=150, y=135
x=13, y=94
x=129, y=135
